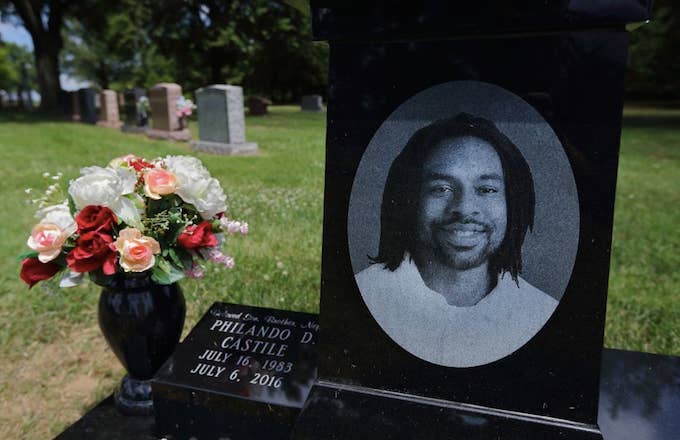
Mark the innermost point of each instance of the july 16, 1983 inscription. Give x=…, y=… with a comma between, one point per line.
x=244, y=346
x=242, y=353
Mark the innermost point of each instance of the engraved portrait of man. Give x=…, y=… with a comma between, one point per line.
x=457, y=205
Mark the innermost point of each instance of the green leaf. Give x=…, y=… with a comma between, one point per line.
x=165, y=273
x=28, y=254
x=71, y=205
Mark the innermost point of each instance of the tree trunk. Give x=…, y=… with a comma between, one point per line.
x=47, y=69
x=47, y=43
x=20, y=98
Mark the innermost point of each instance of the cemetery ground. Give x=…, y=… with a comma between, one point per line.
x=54, y=362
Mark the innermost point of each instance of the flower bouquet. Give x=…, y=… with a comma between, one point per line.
x=184, y=109
x=135, y=227
x=164, y=216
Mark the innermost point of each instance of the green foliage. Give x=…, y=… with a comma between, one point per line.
x=17, y=68
x=262, y=44
x=109, y=45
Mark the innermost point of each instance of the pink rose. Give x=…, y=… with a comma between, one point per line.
x=159, y=182
x=47, y=239
x=136, y=251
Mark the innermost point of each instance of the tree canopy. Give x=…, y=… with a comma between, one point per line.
x=262, y=44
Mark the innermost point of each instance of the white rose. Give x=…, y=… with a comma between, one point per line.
x=186, y=167
x=196, y=186
x=107, y=187
x=206, y=195
x=58, y=215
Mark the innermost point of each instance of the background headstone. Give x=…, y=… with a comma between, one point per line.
x=75, y=106
x=221, y=121
x=257, y=105
x=312, y=103
x=164, y=120
x=108, y=111
x=86, y=103
x=134, y=121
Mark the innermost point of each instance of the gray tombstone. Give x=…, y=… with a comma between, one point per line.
x=86, y=101
x=221, y=121
x=165, y=122
x=75, y=104
x=136, y=121
x=257, y=106
x=312, y=103
x=108, y=110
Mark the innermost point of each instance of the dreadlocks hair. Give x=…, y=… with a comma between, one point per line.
x=402, y=189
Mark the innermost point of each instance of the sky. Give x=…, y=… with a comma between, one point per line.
x=19, y=35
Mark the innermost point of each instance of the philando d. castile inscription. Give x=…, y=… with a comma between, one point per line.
x=251, y=347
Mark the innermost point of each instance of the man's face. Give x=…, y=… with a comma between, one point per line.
x=461, y=215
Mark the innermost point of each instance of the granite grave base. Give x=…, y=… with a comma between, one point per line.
x=110, y=124
x=176, y=135
x=639, y=400
x=243, y=372
x=244, y=148
x=134, y=129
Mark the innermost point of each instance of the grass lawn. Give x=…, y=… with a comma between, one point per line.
x=54, y=362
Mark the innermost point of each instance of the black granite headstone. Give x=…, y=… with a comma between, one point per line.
x=132, y=116
x=87, y=97
x=471, y=155
x=243, y=372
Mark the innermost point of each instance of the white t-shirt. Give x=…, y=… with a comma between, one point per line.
x=424, y=324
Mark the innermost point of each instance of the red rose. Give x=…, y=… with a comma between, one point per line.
x=196, y=236
x=95, y=218
x=92, y=252
x=32, y=271
x=139, y=164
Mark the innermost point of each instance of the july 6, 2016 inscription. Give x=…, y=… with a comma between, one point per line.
x=251, y=347
x=237, y=361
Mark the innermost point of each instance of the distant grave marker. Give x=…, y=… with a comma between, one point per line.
x=136, y=118
x=108, y=111
x=87, y=103
x=221, y=121
x=312, y=103
x=165, y=121
x=257, y=106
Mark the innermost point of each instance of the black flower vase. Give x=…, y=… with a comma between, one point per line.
x=142, y=321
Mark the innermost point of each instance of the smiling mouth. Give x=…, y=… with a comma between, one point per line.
x=464, y=229
x=463, y=236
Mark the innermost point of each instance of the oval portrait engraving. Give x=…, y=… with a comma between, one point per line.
x=463, y=224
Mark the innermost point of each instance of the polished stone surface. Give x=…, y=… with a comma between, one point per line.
x=379, y=20
x=241, y=371
x=639, y=396
x=575, y=81
x=87, y=105
x=132, y=116
x=639, y=400
x=567, y=60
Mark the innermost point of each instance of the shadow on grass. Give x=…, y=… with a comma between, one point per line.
x=30, y=116
x=657, y=114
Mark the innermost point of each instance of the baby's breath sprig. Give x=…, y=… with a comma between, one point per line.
x=53, y=195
